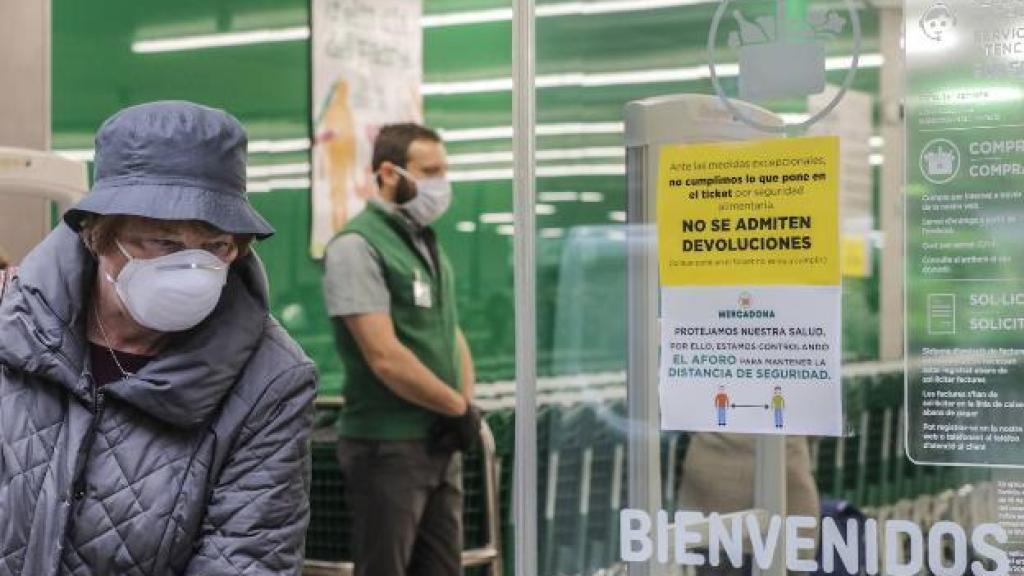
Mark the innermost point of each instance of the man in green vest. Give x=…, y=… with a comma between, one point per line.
x=409, y=374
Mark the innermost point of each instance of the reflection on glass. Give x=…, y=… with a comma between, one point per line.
x=718, y=477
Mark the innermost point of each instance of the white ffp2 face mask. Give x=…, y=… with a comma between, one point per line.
x=433, y=197
x=173, y=292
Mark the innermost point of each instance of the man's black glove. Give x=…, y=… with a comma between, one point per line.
x=457, y=433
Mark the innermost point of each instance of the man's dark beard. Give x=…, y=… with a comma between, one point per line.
x=404, y=192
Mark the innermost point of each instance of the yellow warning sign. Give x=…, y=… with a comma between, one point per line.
x=856, y=256
x=760, y=212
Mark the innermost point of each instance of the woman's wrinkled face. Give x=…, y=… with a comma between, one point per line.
x=146, y=238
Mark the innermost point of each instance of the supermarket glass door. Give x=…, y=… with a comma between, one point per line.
x=721, y=195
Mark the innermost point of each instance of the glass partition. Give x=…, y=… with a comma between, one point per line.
x=634, y=474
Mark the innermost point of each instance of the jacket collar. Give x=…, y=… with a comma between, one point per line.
x=42, y=333
x=398, y=215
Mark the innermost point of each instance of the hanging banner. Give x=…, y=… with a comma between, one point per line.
x=965, y=250
x=367, y=71
x=748, y=245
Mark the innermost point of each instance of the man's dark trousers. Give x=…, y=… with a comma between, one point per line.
x=406, y=506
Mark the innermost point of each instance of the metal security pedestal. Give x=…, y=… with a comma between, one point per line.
x=650, y=124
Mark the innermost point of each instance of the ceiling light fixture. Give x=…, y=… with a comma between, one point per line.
x=204, y=41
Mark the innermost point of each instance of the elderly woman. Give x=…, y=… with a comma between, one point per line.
x=153, y=415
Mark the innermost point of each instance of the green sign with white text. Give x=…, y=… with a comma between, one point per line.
x=965, y=232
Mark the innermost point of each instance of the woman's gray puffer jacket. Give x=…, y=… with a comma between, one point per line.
x=197, y=465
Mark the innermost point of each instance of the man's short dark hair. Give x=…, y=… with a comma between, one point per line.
x=393, y=141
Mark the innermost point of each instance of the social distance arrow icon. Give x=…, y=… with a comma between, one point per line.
x=765, y=406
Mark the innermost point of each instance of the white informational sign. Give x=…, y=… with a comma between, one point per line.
x=367, y=71
x=748, y=244
x=751, y=359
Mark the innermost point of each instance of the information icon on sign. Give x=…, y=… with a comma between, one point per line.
x=937, y=21
x=940, y=161
x=941, y=314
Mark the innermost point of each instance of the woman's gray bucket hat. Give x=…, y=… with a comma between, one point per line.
x=172, y=160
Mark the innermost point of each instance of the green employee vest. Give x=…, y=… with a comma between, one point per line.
x=371, y=410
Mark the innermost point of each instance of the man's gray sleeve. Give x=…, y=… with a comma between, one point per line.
x=353, y=280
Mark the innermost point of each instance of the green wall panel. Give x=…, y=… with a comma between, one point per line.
x=95, y=73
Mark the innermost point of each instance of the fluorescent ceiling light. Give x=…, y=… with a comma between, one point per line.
x=497, y=217
x=876, y=142
x=617, y=216
x=581, y=170
x=587, y=8
x=467, y=87
x=506, y=230
x=479, y=158
x=505, y=132
x=468, y=17
x=255, y=147
x=573, y=128
x=79, y=155
x=557, y=171
x=275, y=146
x=542, y=155
x=652, y=76
x=558, y=196
x=466, y=226
x=545, y=210
x=279, y=184
x=552, y=10
x=582, y=153
x=474, y=134
x=872, y=60
x=591, y=197
x=220, y=40
x=588, y=80
x=552, y=232
x=876, y=159
x=480, y=175
x=278, y=170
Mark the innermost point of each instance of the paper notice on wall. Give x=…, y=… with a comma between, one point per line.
x=367, y=71
x=748, y=236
